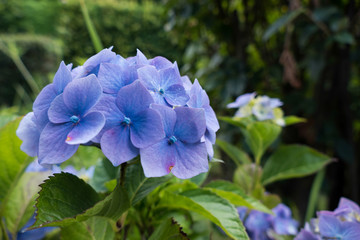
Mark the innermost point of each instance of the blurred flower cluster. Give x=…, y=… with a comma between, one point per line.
x=127, y=107
x=263, y=226
x=342, y=223
x=261, y=107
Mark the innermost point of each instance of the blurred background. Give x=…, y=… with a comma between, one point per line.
x=304, y=52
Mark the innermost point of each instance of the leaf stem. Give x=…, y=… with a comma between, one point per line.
x=3, y=229
x=314, y=194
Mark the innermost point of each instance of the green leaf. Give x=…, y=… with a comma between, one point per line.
x=103, y=173
x=84, y=157
x=281, y=22
x=260, y=135
x=245, y=175
x=12, y=161
x=209, y=205
x=65, y=199
x=168, y=229
x=199, y=179
x=290, y=120
x=95, y=228
x=235, y=195
x=293, y=161
x=20, y=206
x=344, y=38
x=239, y=122
x=137, y=185
x=235, y=153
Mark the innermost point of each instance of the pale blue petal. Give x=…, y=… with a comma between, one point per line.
x=146, y=128
x=29, y=134
x=62, y=78
x=59, y=112
x=191, y=159
x=190, y=124
x=160, y=63
x=158, y=159
x=116, y=145
x=176, y=95
x=52, y=148
x=113, y=77
x=42, y=104
x=150, y=77
x=241, y=100
x=86, y=129
x=82, y=94
x=211, y=119
x=92, y=65
x=169, y=76
x=168, y=117
x=133, y=98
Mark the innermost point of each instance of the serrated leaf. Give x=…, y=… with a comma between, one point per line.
x=235, y=195
x=65, y=199
x=209, y=205
x=293, y=161
x=235, y=153
x=20, y=206
x=13, y=161
x=137, y=185
x=260, y=135
x=281, y=22
x=290, y=120
x=168, y=229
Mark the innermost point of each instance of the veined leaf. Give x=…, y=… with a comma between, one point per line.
x=293, y=161
x=235, y=153
x=169, y=229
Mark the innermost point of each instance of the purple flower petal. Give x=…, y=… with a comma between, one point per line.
x=42, y=104
x=52, y=148
x=86, y=129
x=332, y=227
x=211, y=119
x=158, y=159
x=133, y=98
x=140, y=58
x=146, y=128
x=62, y=78
x=176, y=95
x=82, y=94
x=160, y=63
x=190, y=124
x=29, y=134
x=116, y=145
x=198, y=96
x=150, y=77
x=306, y=235
x=191, y=160
x=169, y=76
x=168, y=117
x=186, y=83
x=241, y=100
x=58, y=111
x=113, y=77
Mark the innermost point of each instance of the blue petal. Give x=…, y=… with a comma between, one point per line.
x=241, y=100
x=52, y=148
x=42, y=104
x=59, y=112
x=109, y=109
x=169, y=76
x=150, y=77
x=211, y=120
x=82, y=94
x=140, y=58
x=190, y=124
x=87, y=128
x=191, y=159
x=176, y=95
x=160, y=63
x=168, y=117
x=146, y=128
x=306, y=235
x=158, y=159
x=186, y=83
x=332, y=227
x=198, y=96
x=29, y=134
x=62, y=78
x=116, y=145
x=113, y=77
x=133, y=98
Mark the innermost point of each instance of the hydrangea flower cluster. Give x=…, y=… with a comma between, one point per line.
x=262, y=226
x=127, y=107
x=261, y=107
x=342, y=223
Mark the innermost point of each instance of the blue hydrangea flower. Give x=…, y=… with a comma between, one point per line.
x=242, y=100
x=130, y=125
x=71, y=121
x=283, y=223
x=264, y=106
x=181, y=151
x=199, y=99
x=333, y=228
x=165, y=85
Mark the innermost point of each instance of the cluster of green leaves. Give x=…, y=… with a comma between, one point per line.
x=285, y=162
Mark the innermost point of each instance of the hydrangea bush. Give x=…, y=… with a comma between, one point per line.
x=122, y=150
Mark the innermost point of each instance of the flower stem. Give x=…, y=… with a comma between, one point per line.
x=122, y=173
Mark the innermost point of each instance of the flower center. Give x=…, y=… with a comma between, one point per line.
x=161, y=91
x=74, y=119
x=172, y=140
x=126, y=121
